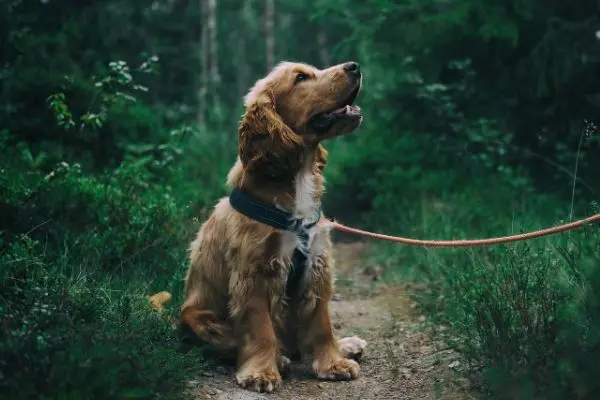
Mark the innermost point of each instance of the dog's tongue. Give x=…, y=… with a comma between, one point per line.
x=346, y=110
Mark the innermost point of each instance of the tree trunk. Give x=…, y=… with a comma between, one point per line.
x=203, y=86
x=243, y=32
x=269, y=32
x=213, y=45
x=323, y=50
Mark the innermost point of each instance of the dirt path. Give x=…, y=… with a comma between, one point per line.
x=400, y=361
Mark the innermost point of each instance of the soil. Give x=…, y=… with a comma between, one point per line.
x=401, y=360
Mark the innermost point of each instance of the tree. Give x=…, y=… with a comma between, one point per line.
x=270, y=32
x=204, y=69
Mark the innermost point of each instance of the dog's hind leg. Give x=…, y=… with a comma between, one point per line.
x=208, y=328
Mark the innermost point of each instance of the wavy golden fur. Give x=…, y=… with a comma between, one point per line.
x=235, y=292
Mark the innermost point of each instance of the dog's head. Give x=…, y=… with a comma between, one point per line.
x=300, y=105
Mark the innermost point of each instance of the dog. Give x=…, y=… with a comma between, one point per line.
x=261, y=270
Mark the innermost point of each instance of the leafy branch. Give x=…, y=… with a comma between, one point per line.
x=117, y=85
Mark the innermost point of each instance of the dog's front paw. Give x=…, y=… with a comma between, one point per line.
x=259, y=381
x=336, y=369
x=352, y=347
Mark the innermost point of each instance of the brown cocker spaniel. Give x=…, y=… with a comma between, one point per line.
x=261, y=269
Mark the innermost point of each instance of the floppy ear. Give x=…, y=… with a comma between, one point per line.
x=266, y=143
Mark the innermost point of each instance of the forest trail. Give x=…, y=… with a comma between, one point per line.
x=400, y=362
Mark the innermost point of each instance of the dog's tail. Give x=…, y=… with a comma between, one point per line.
x=158, y=300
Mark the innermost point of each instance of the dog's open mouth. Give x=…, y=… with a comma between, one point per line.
x=324, y=121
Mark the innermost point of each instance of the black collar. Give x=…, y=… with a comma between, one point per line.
x=268, y=214
x=280, y=219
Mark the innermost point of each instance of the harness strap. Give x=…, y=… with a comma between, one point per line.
x=280, y=219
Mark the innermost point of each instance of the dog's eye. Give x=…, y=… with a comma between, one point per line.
x=300, y=77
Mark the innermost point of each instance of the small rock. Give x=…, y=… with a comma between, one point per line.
x=425, y=349
x=422, y=318
x=211, y=391
x=336, y=297
x=208, y=374
x=321, y=386
x=222, y=370
x=218, y=391
x=454, y=364
x=465, y=383
x=406, y=373
x=374, y=271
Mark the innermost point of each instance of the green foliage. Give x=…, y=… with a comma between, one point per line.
x=64, y=118
x=477, y=115
x=80, y=255
x=483, y=120
x=96, y=211
x=74, y=334
x=521, y=313
x=110, y=89
x=507, y=81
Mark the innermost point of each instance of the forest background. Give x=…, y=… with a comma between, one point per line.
x=118, y=124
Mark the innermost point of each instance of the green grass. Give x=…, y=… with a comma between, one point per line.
x=76, y=334
x=524, y=316
x=79, y=255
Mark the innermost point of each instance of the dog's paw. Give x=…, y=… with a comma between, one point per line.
x=352, y=347
x=259, y=381
x=338, y=369
x=283, y=364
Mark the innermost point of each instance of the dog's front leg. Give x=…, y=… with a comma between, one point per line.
x=258, y=352
x=319, y=341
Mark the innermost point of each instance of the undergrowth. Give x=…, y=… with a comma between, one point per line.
x=80, y=254
x=85, y=238
x=524, y=315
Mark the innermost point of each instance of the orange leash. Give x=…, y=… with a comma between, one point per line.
x=466, y=243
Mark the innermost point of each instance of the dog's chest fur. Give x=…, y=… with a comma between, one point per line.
x=306, y=205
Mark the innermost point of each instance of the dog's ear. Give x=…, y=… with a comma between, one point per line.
x=266, y=143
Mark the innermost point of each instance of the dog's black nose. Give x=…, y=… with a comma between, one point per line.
x=352, y=67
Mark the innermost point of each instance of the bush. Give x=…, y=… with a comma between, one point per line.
x=523, y=313
x=96, y=212
x=81, y=253
x=75, y=334
x=82, y=248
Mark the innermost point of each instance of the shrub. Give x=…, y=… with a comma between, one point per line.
x=523, y=313
x=80, y=255
x=81, y=249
